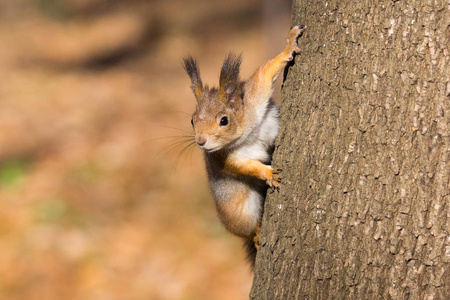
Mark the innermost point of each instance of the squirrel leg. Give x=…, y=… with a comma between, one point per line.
x=255, y=168
x=257, y=235
x=273, y=68
x=260, y=85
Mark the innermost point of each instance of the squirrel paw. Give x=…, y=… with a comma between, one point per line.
x=274, y=181
x=292, y=46
x=256, y=237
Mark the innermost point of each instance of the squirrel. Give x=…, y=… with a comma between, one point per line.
x=236, y=126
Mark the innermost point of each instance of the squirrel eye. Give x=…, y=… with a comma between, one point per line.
x=223, y=121
x=192, y=122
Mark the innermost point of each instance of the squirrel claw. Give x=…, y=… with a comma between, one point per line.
x=273, y=183
x=295, y=32
x=277, y=171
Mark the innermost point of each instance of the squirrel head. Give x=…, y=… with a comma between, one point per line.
x=218, y=119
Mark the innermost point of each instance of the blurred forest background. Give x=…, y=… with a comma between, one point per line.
x=96, y=202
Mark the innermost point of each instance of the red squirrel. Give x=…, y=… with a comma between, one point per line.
x=236, y=126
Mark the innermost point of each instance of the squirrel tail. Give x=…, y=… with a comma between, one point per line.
x=250, y=249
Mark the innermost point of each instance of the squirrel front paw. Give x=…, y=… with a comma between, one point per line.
x=292, y=46
x=274, y=181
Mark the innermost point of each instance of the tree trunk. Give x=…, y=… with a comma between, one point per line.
x=364, y=209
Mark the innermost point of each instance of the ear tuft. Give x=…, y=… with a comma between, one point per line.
x=190, y=65
x=230, y=69
x=229, y=80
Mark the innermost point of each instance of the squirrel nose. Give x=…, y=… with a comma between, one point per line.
x=200, y=141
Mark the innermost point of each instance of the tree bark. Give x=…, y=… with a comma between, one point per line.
x=364, y=144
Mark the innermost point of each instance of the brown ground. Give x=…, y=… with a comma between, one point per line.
x=93, y=205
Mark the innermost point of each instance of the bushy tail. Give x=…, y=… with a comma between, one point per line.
x=250, y=249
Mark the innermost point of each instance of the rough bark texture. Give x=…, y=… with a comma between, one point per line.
x=364, y=210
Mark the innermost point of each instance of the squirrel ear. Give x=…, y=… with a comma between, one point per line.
x=229, y=79
x=190, y=65
x=233, y=95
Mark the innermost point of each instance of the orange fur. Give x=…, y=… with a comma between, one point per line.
x=257, y=235
x=233, y=215
x=198, y=91
x=249, y=167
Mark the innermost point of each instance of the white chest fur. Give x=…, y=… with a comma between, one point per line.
x=262, y=137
